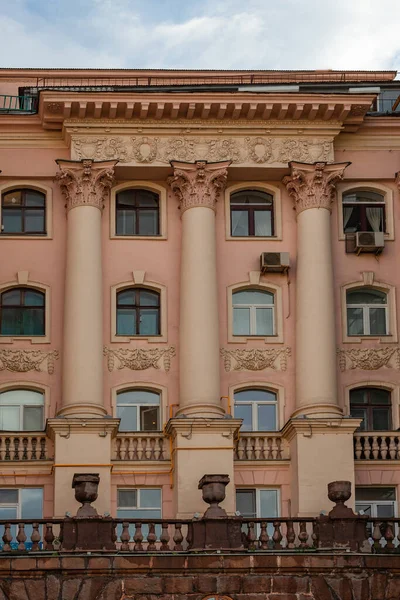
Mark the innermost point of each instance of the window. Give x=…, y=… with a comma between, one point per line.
x=26, y=503
x=139, y=410
x=138, y=312
x=252, y=214
x=258, y=503
x=136, y=503
x=257, y=408
x=22, y=312
x=373, y=406
x=366, y=312
x=363, y=210
x=23, y=212
x=376, y=502
x=253, y=313
x=137, y=212
x=21, y=410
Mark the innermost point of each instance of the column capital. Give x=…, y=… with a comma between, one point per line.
x=199, y=183
x=313, y=185
x=85, y=182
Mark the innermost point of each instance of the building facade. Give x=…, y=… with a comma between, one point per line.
x=198, y=275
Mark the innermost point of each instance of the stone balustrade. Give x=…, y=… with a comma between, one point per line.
x=141, y=446
x=25, y=446
x=374, y=445
x=261, y=446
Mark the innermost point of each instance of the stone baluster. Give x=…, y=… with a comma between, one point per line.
x=358, y=447
x=264, y=537
x=164, y=537
x=384, y=448
x=49, y=537
x=178, y=537
x=138, y=538
x=375, y=447
x=392, y=448
x=277, y=535
x=125, y=536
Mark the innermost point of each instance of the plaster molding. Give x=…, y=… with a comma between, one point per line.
x=254, y=150
x=310, y=426
x=198, y=184
x=66, y=426
x=22, y=361
x=202, y=425
x=85, y=183
x=255, y=359
x=138, y=359
x=313, y=185
x=369, y=359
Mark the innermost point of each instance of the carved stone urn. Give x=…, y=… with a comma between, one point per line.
x=86, y=486
x=213, y=489
x=339, y=492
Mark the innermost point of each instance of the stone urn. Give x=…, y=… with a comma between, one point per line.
x=213, y=489
x=86, y=487
x=339, y=492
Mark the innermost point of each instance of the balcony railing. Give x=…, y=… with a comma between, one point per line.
x=261, y=446
x=141, y=446
x=377, y=445
x=18, y=104
x=25, y=446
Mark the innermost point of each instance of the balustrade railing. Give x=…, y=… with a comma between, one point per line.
x=375, y=445
x=25, y=446
x=18, y=104
x=141, y=446
x=261, y=446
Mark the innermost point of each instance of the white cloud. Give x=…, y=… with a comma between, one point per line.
x=228, y=34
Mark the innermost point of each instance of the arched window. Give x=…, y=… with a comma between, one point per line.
x=373, y=406
x=367, y=312
x=252, y=214
x=137, y=212
x=23, y=212
x=22, y=312
x=138, y=312
x=253, y=312
x=139, y=410
x=21, y=410
x=257, y=408
x=363, y=210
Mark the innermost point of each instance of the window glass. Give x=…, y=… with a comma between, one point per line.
x=375, y=493
x=366, y=297
x=149, y=418
x=363, y=211
x=22, y=312
x=128, y=416
x=266, y=417
x=263, y=223
x=138, y=397
x=264, y=321
x=377, y=319
x=257, y=408
x=127, y=498
x=246, y=503
x=149, y=498
x=355, y=321
x=245, y=412
x=8, y=496
x=31, y=503
x=268, y=503
x=21, y=410
x=32, y=418
x=254, y=395
x=139, y=410
x=373, y=405
x=364, y=315
x=137, y=212
x=138, y=312
x=241, y=321
x=23, y=211
x=251, y=214
x=239, y=223
x=253, y=297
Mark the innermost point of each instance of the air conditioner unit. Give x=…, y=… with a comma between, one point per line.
x=370, y=241
x=274, y=262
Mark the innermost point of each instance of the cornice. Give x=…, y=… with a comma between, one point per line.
x=202, y=425
x=65, y=426
x=310, y=426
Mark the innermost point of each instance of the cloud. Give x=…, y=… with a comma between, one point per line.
x=213, y=34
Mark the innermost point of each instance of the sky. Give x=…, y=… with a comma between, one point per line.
x=201, y=34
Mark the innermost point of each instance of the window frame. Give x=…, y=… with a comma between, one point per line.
x=21, y=406
x=138, y=507
x=366, y=312
x=18, y=506
x=371, y=186
x=253, y=307
x=156, y=188
x=137, y=405
x=137, y=309
x=139, y=282
x=369, y=282
x=21, y=308
x=137, y=209
x=254, y=408
x=274, y=190
x=250, y=210
x=369, y=406
x=37, y=187
x=258, y=491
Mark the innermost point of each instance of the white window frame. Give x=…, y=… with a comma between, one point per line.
x=18, y=505
x=258, y=491
x=366, y=315
x=254, y=407
x=138, y=507
x=253, y=313
x=137, y=405
x=22, y=406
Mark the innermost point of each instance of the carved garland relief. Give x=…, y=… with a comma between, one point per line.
x=255, y=359
x=23, y=361
x=369, y=359
x=240, y=150
x=138, y=359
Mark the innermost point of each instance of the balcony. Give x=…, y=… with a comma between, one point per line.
x=25, y=446
x=257, y=445
x=377, y=445
x=141, y=446
x=18, y=104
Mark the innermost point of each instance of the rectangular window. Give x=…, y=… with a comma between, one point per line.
x=258, y=503
x=377, y=503
x=24, y=503
x=139, y=503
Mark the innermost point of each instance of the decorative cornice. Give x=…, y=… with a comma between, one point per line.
x=138, y=359
x=22, y=361
x=369, y=359
x=327, y=425
x=255, y=359
x=313, y=185
x=85, y=183
x=251, y=149
x=198, y=184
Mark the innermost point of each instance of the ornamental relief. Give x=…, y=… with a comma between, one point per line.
x=369, y=359
x=138, y=359
x=240, y=150
x=255, y=359
x=23, y=361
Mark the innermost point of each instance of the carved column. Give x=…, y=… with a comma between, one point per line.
x=197, y=187
x=312, y=188
x=85, y=185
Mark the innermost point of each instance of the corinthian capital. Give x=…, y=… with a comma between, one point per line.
x=199, y=183
x=313, y=185
x=85, y=182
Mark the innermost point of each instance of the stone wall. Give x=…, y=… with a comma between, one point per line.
x=194, y=577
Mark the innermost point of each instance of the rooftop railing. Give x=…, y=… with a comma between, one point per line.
x=18, y=104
